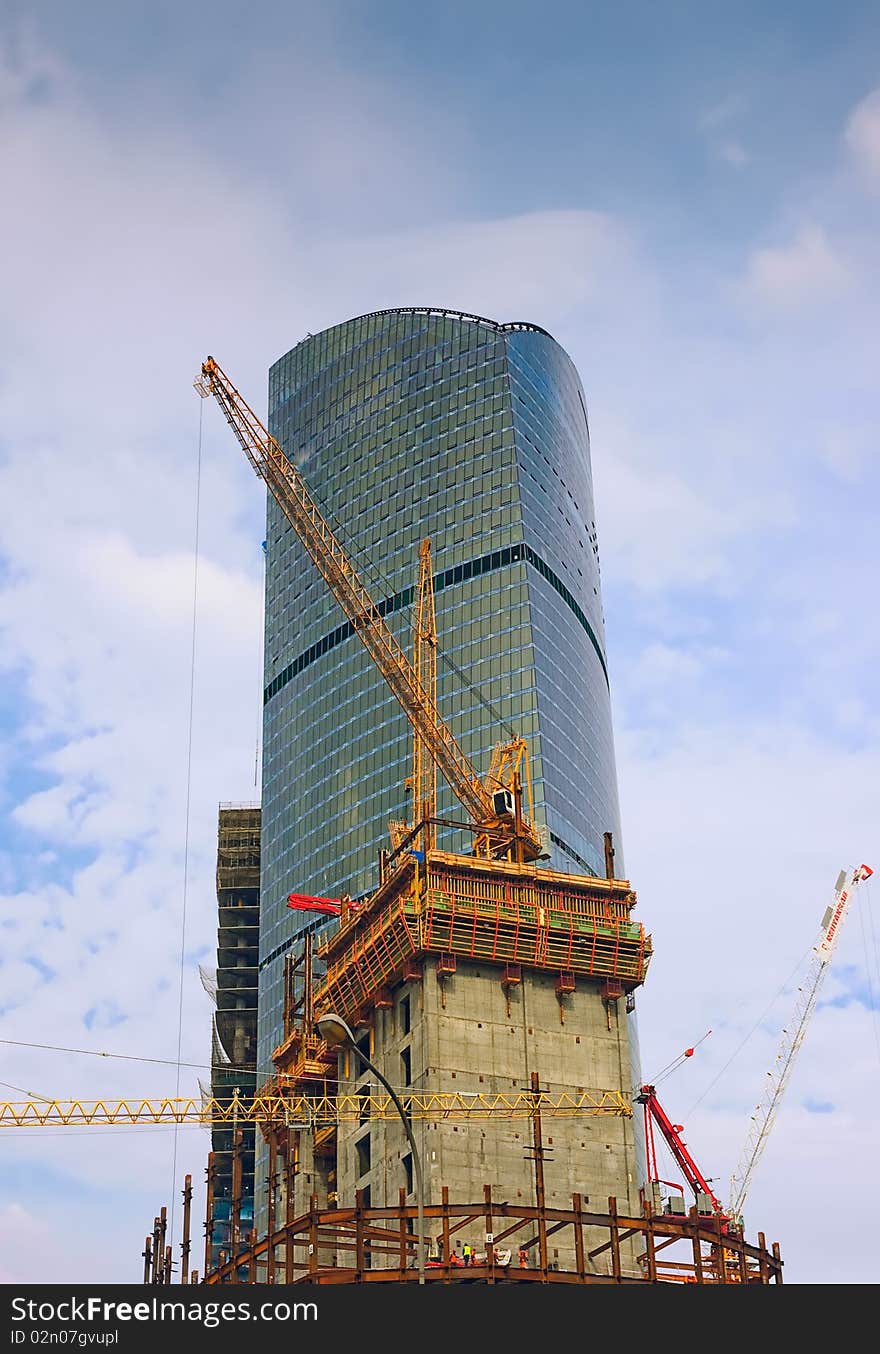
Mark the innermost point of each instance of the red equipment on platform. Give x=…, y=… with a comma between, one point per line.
x=301, y=902
x=655, y=1113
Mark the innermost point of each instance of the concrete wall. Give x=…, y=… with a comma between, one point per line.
x=462, y=1038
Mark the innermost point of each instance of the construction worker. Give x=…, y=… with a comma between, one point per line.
x=468, y=1252
x=522, y=1256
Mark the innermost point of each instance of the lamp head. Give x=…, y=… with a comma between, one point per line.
x=333, y=1030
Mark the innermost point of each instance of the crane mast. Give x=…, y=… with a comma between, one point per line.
x=424, y=771
x=793, y=1035
x=327, y=554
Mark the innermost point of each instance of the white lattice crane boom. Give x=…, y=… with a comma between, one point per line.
x=793, y=1035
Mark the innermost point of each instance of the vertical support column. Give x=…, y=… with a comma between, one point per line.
x=490, y=1233
x=743, y=1260
x=762, y=1258
x=252, y=1259
x=313, y=1234
x=235, y=1225
x=289, y=1250
x=722, y=1261
x=518, y=833
x=163, y=1232
x=694, y=1217
x=538, y=1149
x=272, y=1182
x=402, y=1248
x=166, y=1267
x=185, y=1243
x=210, y=1176
x=154, y=1271
x=608, y=842
x=577, y=1209
x=650, y=1255
x=444, y=1199
x=614, y=1231
x=147, y=1253
x=359, y=1256
x=778, y=1258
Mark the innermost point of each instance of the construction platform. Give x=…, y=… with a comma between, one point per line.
x=461, y=977
x=508, y=1243
x=492, y=911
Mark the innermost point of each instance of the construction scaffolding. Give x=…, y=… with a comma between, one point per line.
x=234, y=1043
x=504, y=1243
x=499, y=912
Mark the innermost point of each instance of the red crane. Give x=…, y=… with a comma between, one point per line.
x=655, y=1114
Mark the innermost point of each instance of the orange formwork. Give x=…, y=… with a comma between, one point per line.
x=494, y=912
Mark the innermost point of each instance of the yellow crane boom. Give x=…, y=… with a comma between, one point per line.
x=309, y=1111
x=327, y=554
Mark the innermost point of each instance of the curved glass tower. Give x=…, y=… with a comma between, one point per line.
x=413, y=423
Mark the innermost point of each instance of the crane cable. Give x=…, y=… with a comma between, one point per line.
x=739, y=1048
x=268, y=1068
x=677, y=1062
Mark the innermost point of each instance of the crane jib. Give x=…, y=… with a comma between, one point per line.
x=793, y=1035
x=327, y=554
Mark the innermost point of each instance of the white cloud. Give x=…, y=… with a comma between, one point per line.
x=725, y=111
x=863, y=135
x=717, y=124
x=846, y=454
x=664, y=530
x=805, y=270
x=734, y=153
x=556, y=261
x=34, y=1246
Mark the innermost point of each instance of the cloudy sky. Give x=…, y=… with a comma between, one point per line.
x=689, y=201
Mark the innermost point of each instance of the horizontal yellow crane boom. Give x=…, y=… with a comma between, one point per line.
x=288, y=487
x=302, y=1111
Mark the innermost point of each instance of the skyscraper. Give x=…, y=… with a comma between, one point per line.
x=413, y=423
x=406, y=424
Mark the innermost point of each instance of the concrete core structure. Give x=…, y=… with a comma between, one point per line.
x=469, y=977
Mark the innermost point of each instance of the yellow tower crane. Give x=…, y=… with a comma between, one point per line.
x=497, y=820
x=276, y=1109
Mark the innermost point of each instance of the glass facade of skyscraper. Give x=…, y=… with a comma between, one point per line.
x=406, y=424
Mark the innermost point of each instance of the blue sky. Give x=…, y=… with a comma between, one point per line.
x=688, y=200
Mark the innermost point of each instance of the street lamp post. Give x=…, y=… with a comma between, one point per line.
x=334, y=1031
